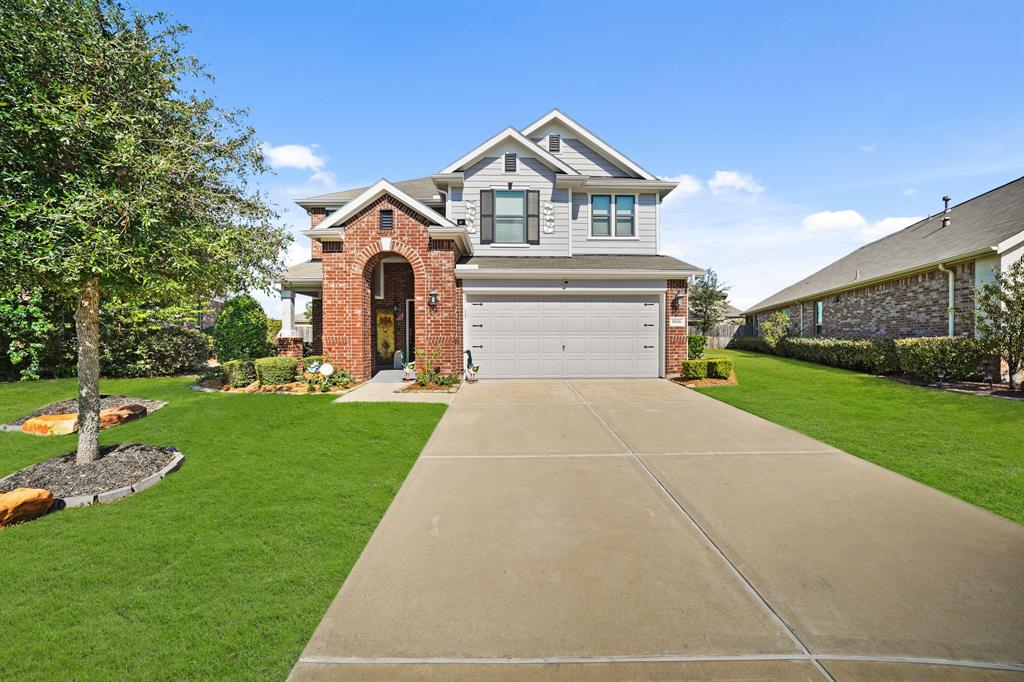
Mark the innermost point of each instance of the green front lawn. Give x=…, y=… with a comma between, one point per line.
x=224, y=569
x=968, y=446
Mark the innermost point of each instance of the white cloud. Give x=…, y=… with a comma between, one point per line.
x=909, y=192
x=689, y=185
x=868, y=148
x=850, y=221
x=834, y=220
x=887, y=226
x=731, y=182
x=302, y=157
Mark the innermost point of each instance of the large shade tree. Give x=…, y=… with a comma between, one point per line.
x=120, y=177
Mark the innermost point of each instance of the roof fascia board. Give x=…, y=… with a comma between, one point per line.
x=590, y=138
x=1010, y=242
x=372, y=193
x=513, y=134
x=873, y=280
x=495, y=273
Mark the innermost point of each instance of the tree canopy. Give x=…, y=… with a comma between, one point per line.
x=1001, y=316
x=708, y=301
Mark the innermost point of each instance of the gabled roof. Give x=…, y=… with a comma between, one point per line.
x=977, y=226
x=591, y=139
x=374, y=192
x=421, y=189
x=510, y=134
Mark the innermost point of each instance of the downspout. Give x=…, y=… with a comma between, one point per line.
x=949, y=307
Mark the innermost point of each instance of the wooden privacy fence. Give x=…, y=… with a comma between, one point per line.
x=720, y=336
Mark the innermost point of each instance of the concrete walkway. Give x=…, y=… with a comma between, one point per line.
x=611, y=530
x=386, y=387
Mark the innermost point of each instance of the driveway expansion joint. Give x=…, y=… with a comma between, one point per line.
x=734, y=569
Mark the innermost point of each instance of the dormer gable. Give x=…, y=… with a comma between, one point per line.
x=508, y=141
x=592, y=155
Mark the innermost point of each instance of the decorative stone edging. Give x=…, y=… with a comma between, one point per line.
x=204, y=389
x=16, y=428
x=118, y=493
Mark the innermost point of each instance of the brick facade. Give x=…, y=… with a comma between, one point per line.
x=290, y=347
x=916, y=305
x=316, y=216
x=346, y=317
x=675, y=337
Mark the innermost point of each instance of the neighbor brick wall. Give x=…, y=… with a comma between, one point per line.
x=907, y=306
x=347, y=303
x=675, y=337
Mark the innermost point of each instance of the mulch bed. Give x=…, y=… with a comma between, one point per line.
x=981, y=388
x=699, y=383
x=118, y=466
x=70, y=406
x=430, y=388
x=256, y=387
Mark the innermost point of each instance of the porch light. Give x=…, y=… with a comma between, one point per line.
x=432, y=299
x=677, y=300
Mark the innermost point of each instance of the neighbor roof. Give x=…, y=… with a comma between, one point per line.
x=976, y=226
x=421, y=189
x=305, y=273
x=651, y=264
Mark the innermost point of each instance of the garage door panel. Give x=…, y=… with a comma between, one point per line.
x=565, y=336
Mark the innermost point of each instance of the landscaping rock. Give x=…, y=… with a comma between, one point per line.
x=24, y=504
x=119, y=415
x=51, y=425
x=70, y=406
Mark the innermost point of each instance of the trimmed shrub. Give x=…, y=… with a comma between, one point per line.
x=719, y=368
x=695, y=347
x=276, y=371
x=241, y=330
x=146, y=352
x=875, y=356
x=308, y=360
x=695, y=369
x=775, y=328
x=958, y=357
x=753, y=343
x=239, y=373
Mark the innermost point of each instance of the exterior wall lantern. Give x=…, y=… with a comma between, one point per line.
x=432, y=299
x=677, y=300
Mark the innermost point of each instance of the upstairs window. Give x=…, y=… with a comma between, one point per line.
x=601, y=215
x=387, y=219
x=624, y=218
x=510, y=163
x=554, y=143
x=509, y=217
x=613, y=215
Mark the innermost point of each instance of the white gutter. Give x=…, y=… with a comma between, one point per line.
x=521, y=273
x=949, y=308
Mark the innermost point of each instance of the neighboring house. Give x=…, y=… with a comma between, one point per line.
x=538, y=251
x=206, y=314
x=920, y=281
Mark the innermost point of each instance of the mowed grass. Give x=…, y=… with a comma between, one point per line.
x=968, y=446
x=223, y=570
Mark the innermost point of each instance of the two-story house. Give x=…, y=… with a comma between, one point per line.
x=537, y=252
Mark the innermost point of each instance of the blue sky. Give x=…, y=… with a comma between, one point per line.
x=799, y=131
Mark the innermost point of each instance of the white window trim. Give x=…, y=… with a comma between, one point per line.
x=590, y=217
x=504, y=188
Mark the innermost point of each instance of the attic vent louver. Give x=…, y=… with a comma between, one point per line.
x=554, y=143
x=510, y=163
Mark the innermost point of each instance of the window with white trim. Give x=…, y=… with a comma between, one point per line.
x=613, y=215
x=509, y=217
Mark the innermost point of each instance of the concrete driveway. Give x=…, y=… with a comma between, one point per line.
x=636, y=530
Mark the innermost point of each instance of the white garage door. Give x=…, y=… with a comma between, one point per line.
x=564, y=336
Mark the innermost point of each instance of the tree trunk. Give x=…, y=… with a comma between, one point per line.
x=87, y=327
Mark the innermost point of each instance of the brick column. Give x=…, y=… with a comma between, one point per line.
x=675, y=337
x=290, y=347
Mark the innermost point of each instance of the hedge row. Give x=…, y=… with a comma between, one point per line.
x=956, y=357
x=716, y=368
x=276, y=371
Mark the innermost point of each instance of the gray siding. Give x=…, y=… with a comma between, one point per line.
x=584, y=159
x=646, y=229
x=532, y=174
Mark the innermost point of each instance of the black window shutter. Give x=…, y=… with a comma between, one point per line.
x=486, y=216
x=533, y=217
